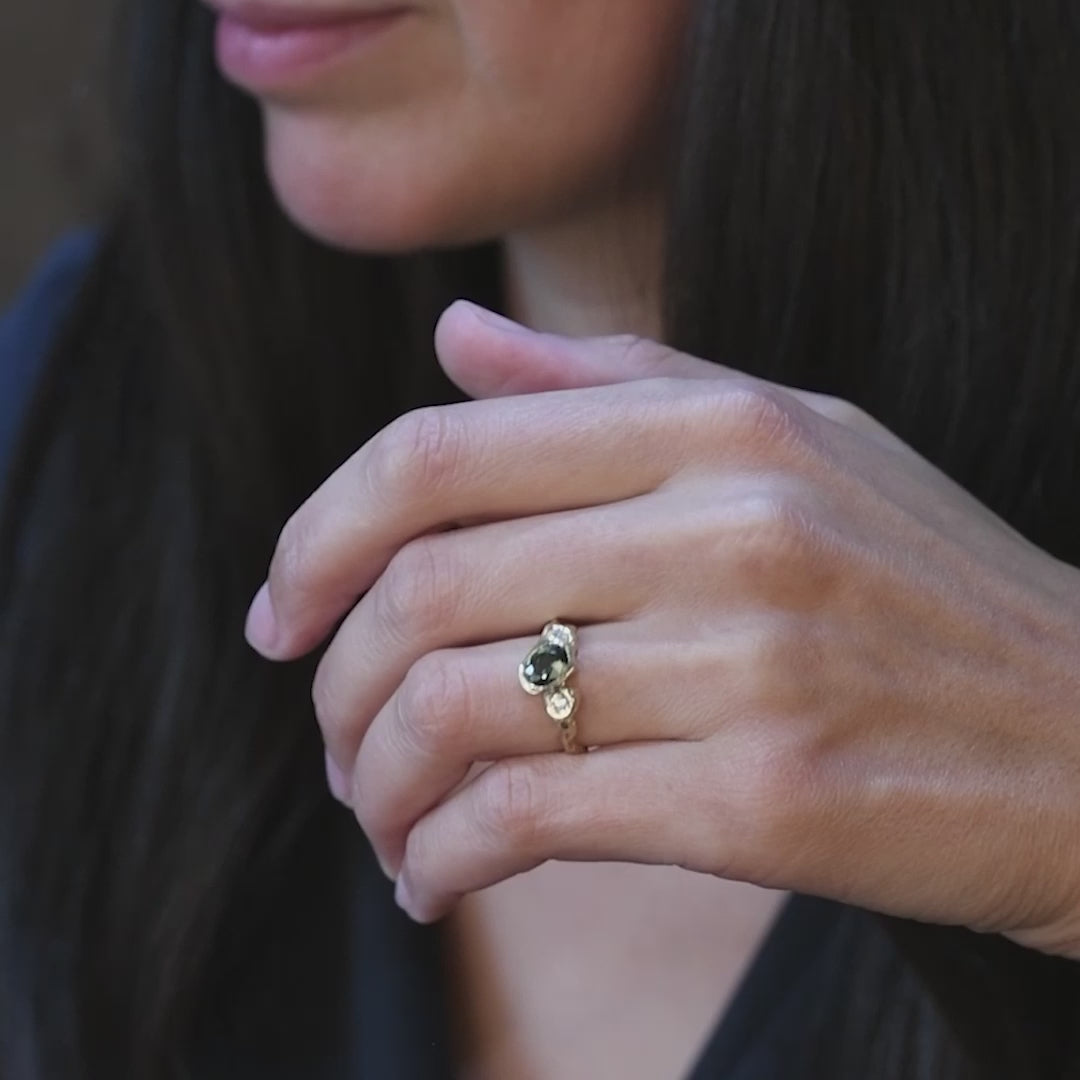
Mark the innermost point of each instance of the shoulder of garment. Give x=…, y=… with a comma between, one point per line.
x=28, y=325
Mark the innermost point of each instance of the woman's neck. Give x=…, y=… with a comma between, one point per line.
x=597, y=274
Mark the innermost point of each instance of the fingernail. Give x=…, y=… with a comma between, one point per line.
x=261, y=629
x=335, y=779
x=494, y=320
x=402, y=896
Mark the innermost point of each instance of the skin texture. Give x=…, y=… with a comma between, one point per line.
x=472, y=119
x=807, y=658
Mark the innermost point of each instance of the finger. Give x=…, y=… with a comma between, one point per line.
x=640, y=802
x=757, y=556
x=499, y=459
x=487, y=583
x=458, y=707
x=488, y=356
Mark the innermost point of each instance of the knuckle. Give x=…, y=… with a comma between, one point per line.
x=766, y=419
x=773, y=526
x=641, y=352
x=781, y=545
x=510, y=808
x=433, y=692
x=842, y=411
x=420, y=451
x=417, y=591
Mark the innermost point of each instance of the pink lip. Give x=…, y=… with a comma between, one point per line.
x=265, y=46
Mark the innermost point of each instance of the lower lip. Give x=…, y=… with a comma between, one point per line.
x=265, y=57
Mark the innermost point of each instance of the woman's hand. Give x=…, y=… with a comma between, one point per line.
x=807, y=659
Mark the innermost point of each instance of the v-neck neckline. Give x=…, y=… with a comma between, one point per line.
x=405, y=986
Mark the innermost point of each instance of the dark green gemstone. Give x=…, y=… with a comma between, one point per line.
x=546, y=664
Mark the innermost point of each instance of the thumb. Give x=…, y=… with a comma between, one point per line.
x=487, y=355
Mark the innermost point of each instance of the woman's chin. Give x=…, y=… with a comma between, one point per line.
x=345, y=224
x=347, y=207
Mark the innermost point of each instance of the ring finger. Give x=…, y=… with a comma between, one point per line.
x=458, y=707
x=484, y=583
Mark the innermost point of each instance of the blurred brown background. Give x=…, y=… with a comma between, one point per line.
x=52, y=57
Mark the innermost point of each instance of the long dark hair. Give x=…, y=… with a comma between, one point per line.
x=880, y=201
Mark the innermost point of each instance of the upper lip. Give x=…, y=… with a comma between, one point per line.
x=271, y=16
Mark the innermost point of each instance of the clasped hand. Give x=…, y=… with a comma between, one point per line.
x=807, y=659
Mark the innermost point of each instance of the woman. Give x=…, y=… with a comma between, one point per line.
x=817, y=549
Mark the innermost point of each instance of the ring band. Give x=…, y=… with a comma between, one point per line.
x=545, y=669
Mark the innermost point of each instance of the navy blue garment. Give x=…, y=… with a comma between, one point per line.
x=349, y=988
x=27, y=327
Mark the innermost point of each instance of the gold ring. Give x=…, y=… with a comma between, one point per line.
x=545, y=669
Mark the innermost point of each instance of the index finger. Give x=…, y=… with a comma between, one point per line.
x=435, y=466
